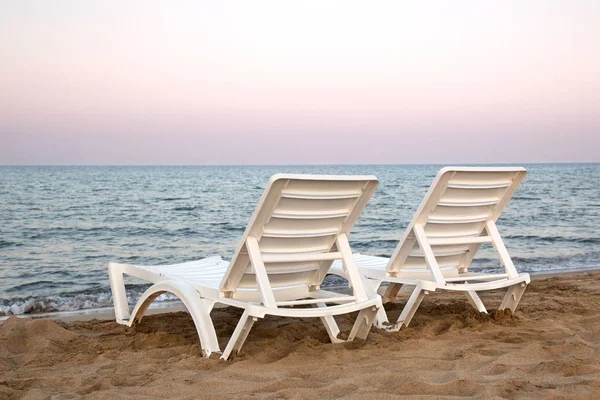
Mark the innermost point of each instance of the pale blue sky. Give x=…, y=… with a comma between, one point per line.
x=302, y=82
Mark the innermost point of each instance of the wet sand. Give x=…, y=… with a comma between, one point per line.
x=550, y=348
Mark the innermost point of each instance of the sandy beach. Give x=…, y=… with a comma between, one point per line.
x=548, y=349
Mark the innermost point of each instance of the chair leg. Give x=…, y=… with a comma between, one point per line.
x=513, y=296
x=363, y=323
x=381, y=319
x=331, y=326
x=475, y=301
x=117, y=286
x=198, y=308
x=200, y=312
x=413, y=303
x=239, y=334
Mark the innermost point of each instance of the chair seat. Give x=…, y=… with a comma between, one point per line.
x=207, y=272
x=375, y=267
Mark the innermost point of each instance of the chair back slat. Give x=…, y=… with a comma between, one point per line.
x=454, y=215
x=296, y=225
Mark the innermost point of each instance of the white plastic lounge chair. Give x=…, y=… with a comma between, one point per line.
x=298, y=229
x=457, y=215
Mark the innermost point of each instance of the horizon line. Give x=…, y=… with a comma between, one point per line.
x=289, y=165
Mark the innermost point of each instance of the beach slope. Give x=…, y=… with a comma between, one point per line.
x=549, y=348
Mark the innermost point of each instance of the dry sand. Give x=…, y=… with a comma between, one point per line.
x=548, y=349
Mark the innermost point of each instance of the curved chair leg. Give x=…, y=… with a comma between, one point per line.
x=198, y=309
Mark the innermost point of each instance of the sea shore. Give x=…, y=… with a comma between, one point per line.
x=550, y=348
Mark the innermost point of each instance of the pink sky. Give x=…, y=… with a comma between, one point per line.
x=282, y=82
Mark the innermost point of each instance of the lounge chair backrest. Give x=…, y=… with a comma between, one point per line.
x=295, y=231
x=461, y=205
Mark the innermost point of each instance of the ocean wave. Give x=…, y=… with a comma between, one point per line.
x=100, y=298
x=28, y=274
x=6, y=243
x=554, y=239
x=586, y=259
x=185, y=208
x=526, y=198
x=377, y=243
x=42, y=284
x=72, y=301
x=232, y=228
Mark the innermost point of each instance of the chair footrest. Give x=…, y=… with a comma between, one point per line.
x=466, y=277
x=489, y=285
x=338, y=299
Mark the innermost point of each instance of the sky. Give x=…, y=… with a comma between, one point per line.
x=299, y=82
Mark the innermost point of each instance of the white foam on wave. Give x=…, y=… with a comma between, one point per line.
x=80, y=301
x=103, y=300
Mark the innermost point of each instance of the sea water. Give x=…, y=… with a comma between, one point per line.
x=60, y=226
